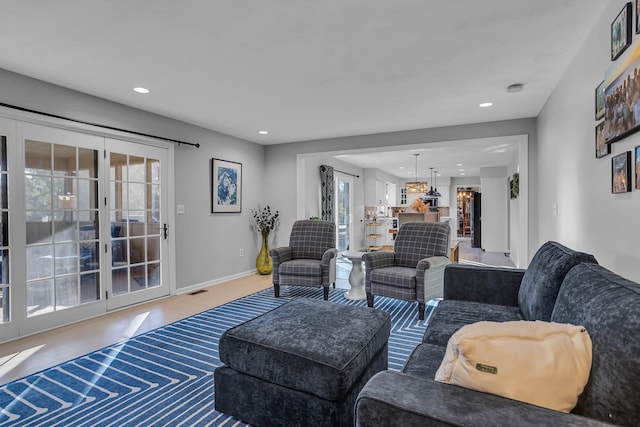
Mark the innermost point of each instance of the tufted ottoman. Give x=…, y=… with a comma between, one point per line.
x=303, y=363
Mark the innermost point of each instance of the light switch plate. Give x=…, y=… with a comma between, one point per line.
x=180, y=209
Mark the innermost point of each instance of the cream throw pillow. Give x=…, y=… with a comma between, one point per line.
x=545, y=364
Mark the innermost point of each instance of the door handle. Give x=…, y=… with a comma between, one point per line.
x=165, y=230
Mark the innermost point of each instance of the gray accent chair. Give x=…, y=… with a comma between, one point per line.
x=415, y=268
x=310, y=258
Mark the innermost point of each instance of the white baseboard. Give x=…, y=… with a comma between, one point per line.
x=198, y=286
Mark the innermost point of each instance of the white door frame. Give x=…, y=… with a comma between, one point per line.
x=337, y=176
x=10, y=121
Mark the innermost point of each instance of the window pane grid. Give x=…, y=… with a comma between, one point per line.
x=135, y=207
x=62, y=211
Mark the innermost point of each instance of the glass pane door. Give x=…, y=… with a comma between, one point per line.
x=62, y=226
x=343, y=209
x=137, y=221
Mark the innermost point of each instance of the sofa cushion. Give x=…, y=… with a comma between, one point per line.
x=424, y=361
x=608, y=306
x=311, y=238
x=418, y=240
x=451, y=315
x=318, y=347
x=542, y=363
x=302, y=267
x=542, y=280
x=400, y=277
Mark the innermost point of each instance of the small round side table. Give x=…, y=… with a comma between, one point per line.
x=356, y=277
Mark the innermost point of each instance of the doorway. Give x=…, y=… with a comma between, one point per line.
x=344, y=210
x=137, y=223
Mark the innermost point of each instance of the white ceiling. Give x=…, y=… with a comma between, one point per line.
x=443, y=157
x=302, y=69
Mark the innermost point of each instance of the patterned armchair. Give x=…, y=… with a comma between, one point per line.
x=310, y=258
x=415, y=268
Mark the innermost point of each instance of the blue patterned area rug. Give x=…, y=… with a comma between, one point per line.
x=165, y=377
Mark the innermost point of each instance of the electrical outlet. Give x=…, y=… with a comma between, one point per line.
x=241, y=252
x=180, y=209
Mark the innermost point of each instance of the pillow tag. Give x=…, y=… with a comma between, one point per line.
x=486, y=368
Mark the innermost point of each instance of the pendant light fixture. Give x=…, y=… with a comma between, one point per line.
x=415, y=186
x=435, y=184
x=431, y=194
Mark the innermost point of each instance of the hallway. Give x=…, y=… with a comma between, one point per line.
x=468, y=255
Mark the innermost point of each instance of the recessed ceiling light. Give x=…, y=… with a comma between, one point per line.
x=459, y=164
x=263, y=132
x=141, y=89
x=461, y=170
x=401, y=167
x=485, y=104
x=462, y=173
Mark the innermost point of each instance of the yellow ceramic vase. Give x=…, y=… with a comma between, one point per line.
x=264, y=263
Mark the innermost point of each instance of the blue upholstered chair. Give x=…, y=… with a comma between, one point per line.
x=415, y=268
x=310, y=258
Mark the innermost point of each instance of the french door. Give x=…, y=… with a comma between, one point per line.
x=138, y=228
x=343, y=210
x=87, y=218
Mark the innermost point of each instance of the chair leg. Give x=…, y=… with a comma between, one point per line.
x=334, y=285
x=276, y=290
x=369, y=299
x=421, y=306
x=325, y=292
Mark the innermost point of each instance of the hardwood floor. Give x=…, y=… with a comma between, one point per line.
x=34, y=353
x=471, y=255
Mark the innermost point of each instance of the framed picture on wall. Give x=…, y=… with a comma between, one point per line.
x=637, y=14
x=621, y=32
x=602, y=148
x=600, y=100
x=226, y=186
x=621, y=98
x=621, y=173
x=637, y=162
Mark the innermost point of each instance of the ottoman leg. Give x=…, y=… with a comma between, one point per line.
x=276, y=290
x=325, y=292
x=421, y=307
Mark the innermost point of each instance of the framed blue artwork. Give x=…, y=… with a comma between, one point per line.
x=226, y=186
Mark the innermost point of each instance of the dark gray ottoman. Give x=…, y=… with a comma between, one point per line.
x=303, y=363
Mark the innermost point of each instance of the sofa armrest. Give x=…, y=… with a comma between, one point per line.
x=380, y=259
x=278, y=256
x=328, y=264
x=430, y=277
x=396, y=399
x=328, y=255
x=490, y=285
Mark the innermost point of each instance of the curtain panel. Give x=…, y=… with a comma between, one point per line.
x=326, y=192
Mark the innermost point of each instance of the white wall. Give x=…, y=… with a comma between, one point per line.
x=207, y=245
x=589, y=217
x=494, y=209
x=514, y=216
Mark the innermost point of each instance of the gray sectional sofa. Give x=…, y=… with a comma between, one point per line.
x=560, y=285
